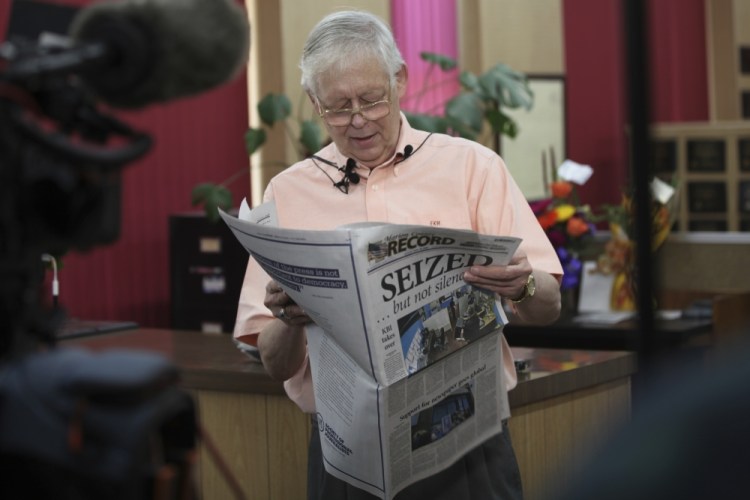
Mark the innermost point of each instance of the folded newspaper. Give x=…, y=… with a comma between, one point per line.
x=405, y=355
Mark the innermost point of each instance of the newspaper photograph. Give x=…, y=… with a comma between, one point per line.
x=405, y=355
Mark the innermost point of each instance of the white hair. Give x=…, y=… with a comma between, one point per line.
x=344, y=37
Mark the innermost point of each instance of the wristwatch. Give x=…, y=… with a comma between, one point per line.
x=528, y=290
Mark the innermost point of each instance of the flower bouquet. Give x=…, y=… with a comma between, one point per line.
x=567, y=222
x=618, y=258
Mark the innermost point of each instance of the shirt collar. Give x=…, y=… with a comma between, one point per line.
x=406, y=136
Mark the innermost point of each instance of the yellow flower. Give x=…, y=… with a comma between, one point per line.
x=564, y=212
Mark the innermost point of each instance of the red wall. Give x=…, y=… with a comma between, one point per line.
x=196, y=139
x=679, y=69
x=597, y=112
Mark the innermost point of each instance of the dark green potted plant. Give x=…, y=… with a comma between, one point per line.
x=483, y=98
x=272, y=109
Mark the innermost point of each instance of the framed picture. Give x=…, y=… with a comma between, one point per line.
x=706, y=155
x=743, y=149
x=707, y=197
x=744, y=197
x=711, y=225
x=663, y=156
x=541, y=132
x=745, y=60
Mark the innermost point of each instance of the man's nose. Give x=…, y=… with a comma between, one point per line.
x=358, y=120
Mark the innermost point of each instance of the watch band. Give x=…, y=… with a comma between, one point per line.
x=528, y=290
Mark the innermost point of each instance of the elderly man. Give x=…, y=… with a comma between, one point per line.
x=378, y=168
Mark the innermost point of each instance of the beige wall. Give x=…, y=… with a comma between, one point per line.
x=525, y=35
x=705, y=261
x=528, y=37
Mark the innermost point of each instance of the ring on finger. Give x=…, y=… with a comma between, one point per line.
x=282, y=314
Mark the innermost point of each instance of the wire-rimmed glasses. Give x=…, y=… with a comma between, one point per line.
x=343, y=116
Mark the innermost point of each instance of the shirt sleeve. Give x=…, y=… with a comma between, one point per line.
x=502, y=209
x=252, y=314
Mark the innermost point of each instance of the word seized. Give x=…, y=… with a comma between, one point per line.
x=406, y=278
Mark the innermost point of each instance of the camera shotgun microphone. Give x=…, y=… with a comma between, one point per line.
x=159, y=50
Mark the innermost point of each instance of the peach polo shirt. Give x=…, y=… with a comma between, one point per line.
x=446, y=181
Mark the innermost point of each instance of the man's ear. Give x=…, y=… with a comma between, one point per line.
x=402, y=78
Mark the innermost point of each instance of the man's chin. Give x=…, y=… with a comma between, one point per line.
x=365, y=157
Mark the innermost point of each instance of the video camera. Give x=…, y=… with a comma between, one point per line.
x=74, y=424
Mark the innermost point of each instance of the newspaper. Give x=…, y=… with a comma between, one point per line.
x=405, y=355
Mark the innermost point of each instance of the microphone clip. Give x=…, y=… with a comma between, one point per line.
x=350, y=176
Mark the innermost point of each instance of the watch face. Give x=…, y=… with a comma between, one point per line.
x=531, y=285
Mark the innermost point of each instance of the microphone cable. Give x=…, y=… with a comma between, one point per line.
x=350, y=176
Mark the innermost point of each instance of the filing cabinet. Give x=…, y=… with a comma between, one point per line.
x=207, y=266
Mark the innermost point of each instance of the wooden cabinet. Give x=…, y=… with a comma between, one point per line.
x=568, y=404
x=207, y=266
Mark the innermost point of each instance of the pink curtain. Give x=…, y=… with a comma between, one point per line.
x=426, y=26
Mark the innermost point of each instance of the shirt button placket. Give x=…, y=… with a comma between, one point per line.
x=376, y=204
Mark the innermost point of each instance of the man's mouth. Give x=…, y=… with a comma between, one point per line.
x=363, y=139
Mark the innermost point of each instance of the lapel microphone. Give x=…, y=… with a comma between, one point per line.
x=349, y=172
x=352, y=177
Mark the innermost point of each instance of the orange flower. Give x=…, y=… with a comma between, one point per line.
x=547, y=219
x=561, y=189
x=576, y=227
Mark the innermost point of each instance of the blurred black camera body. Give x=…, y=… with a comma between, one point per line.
x=61, y=159
x=79, y=425
x=73, y=424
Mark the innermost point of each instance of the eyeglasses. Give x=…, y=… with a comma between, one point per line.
x=372, y=111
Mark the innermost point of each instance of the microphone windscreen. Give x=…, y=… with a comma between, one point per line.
x=407, y=151
x=349, y=171
x=161, y=50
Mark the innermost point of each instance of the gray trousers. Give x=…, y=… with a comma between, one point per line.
x=488, y=472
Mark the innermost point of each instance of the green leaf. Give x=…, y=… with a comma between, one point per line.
x=310, y=136
x=213, y=197
x=466, y=109
x=458, y=127
x=506, y=86
x=469, y=81
x=501, y=123
x=428, y=123
x=446, y=63
x=274, y=108
x=254, y=138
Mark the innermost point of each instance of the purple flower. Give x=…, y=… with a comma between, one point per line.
x=571, y=268
x=540, y=206
x=556, y=237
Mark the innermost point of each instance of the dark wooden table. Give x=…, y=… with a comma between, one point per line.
x=626, y=335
